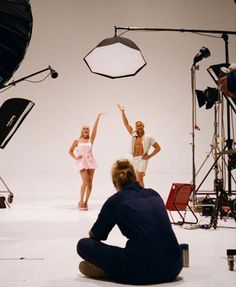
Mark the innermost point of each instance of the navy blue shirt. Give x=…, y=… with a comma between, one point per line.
x=139, y=213
x=152, y=252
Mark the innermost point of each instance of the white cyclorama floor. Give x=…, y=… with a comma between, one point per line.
x=38, y=246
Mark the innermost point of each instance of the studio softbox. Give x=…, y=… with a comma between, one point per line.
x=12, y=113
x=115, y=57
x=15, y=33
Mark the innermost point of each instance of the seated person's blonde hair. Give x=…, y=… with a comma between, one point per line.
x=122, y=173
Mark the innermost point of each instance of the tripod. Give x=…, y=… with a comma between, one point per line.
x=221, y=201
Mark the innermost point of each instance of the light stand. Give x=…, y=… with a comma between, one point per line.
x=204, y=53
x=214, y=147
x=194, y=126
x=229, y=141
x=221, y=194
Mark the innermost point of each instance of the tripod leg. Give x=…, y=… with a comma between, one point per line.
x=214, y=217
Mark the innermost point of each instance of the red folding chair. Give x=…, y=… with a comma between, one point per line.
x=178, y=200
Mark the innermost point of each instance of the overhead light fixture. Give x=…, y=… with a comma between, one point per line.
x=208, y=97
x=115, y=57
x=203, y=53
x=118, y=57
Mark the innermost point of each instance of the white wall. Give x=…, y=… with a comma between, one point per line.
x=36, y=160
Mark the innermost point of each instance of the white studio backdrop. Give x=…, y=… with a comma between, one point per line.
x=36, y=162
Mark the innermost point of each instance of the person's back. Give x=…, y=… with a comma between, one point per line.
x=144, y=210
x=152, y=249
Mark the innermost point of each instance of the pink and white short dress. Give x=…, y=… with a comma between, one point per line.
x=87, y=161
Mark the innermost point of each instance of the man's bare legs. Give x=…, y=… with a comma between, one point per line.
x=86, y=187
x=140, y=178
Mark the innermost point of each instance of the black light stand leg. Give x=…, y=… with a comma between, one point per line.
x=10, y=194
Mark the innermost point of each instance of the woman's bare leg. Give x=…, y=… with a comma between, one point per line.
x=90, y=174
x=84, y=177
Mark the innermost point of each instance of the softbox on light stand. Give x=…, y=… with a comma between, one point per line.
x=12, y=113
x=15, y=34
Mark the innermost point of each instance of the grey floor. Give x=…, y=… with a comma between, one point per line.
x=38, y=246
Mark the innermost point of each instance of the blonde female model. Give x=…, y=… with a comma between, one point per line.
x=85, y=161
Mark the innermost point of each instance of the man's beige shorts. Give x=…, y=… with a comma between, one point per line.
x=139, y=164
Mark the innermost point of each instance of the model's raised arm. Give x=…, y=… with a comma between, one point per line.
x=94, y=132
x=125, y=120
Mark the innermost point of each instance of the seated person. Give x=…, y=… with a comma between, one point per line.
x=152, y=253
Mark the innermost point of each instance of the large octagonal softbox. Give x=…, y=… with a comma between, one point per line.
x=15, y=33
x=115, y=57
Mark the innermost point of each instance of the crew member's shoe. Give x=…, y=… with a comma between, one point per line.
x=92, y=271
